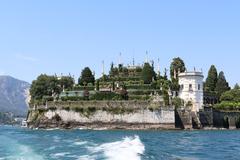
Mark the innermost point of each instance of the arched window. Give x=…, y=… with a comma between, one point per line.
x=181, y=86
x=199, y=87
x=190, y=87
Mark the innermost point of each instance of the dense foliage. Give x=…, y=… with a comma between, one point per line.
x=86, y=77
x=165, y=89
x=232, y=96
x=230, y=100
x=177, y=66
x=44, y=86
x=221, y=85
x=81, y=88
x=148, y=73
x=106, y=96
x=211, y=80
x=66, y=82
x=177, y=102
x=49, y=85
x=215, y=84
x=123, y=83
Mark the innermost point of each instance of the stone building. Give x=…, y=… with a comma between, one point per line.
x=191, y=89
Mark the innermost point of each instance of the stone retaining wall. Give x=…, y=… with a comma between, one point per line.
x=141, y=114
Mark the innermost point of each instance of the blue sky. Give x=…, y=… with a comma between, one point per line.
x=65, y=36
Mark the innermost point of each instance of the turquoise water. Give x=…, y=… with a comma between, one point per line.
x=24, y=144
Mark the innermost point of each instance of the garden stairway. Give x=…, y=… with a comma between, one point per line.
x=196, y=123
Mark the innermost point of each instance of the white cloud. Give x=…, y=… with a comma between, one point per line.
x=26, y=58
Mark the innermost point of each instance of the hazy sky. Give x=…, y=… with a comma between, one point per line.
x=50, y=36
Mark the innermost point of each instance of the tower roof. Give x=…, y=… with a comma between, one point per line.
x=191, y=73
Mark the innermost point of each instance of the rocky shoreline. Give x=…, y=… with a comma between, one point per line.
x=102, y=126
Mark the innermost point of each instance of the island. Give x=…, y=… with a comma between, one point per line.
x=135, y=97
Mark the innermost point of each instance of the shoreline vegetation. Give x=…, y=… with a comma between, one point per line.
x=132, y=85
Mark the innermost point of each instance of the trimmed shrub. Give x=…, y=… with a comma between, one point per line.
x=138, y=97
x=225, y=105
x=141, y=87
x=73, y=98
x=103, y=96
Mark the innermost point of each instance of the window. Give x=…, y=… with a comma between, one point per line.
x=199, y=87
x=190, y=87
x=182, y=87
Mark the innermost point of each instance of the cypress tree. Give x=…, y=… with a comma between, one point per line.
x=148, y=73
x=86, y=77
x=221, y=85
x=97, y=85
x=212, y=79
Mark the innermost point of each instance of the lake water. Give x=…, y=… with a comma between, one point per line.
x=24, y=144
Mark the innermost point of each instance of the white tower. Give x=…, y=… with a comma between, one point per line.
x=191, y=89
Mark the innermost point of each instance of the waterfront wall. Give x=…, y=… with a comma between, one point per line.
x=206, y=117
x=226, y=119
x=127, y=115
x=105, y=115
x=220, y=118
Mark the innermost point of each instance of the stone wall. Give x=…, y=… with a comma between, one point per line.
x=206, y=117
x=226, y=119
x=220, y=119
x=106, y=114
x=127, y=115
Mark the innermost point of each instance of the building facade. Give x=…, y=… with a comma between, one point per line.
x=191, y=89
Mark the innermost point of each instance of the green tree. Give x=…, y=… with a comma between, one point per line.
x=147, y=74
x=221, y=85
x=113, y=71
x=66, y=82
x=165, y=74
x=125, y=71
x=165, y=89
x=176, y=66
x=231, y=96
x=44, y=85
x=86, y=77
x=211, y=80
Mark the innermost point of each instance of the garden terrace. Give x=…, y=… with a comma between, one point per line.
x=98, y=105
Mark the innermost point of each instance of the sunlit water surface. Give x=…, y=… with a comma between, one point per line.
x=24, y=144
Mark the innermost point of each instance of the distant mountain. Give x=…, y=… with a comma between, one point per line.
x=13, y=95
